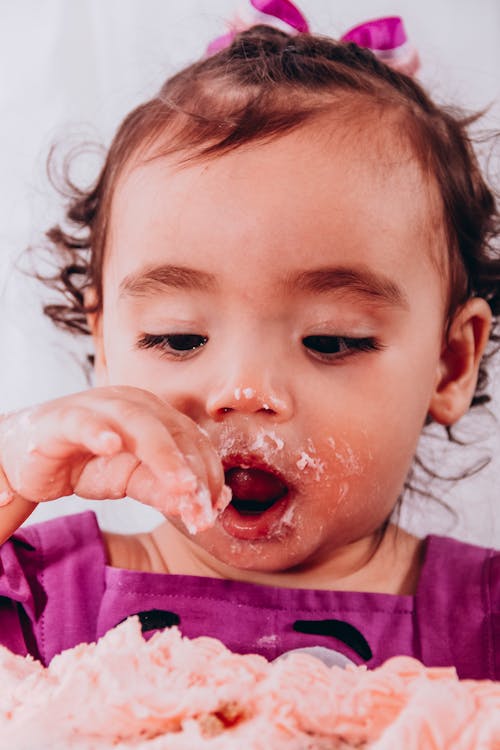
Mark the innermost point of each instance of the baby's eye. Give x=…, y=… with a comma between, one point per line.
x=330, y=348
x=175, y=344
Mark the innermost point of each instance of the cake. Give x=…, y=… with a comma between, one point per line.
x=173, y=693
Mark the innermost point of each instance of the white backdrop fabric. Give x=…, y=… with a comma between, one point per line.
x=71, y=71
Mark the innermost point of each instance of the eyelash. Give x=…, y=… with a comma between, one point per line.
x=325, y=348
x=340, y=346
x=187, y=343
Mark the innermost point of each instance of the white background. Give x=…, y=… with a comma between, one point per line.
x=71, y=69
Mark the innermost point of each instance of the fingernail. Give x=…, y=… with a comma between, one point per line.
x=224, y=498
x=109, y=441
x=6, y=497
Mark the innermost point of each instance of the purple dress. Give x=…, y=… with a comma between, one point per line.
x=56, y=591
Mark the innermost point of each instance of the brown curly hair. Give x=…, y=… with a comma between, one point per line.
x=267, y=83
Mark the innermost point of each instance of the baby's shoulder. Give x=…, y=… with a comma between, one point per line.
x=76, y=536
x=60, y=539
x=54, y=571
x=460, y=571
x=457, y=607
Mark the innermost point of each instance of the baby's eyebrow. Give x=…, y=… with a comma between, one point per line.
x=344, y=278
x=155, y=279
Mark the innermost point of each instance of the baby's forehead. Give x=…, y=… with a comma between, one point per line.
x=378, y=155
x=369, y=161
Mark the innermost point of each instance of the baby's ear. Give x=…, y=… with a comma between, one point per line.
x=456, y=376
x=94, y=321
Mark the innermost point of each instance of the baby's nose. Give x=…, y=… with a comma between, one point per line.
x=249, y=399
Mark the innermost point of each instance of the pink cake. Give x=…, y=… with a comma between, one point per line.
x=172, y=693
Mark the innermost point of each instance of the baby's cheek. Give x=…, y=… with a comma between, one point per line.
x=333, y=460
x=368, y=478
x=350, y=475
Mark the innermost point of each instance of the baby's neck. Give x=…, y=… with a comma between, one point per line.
x=391, y=566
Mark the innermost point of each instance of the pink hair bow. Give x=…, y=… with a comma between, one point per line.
x=283, y=13
x=385, y=37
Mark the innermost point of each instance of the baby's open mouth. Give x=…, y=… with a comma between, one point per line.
x=254, y=490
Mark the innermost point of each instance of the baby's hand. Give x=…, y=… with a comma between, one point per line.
x=109, y=443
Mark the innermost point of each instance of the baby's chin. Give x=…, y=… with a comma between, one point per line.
x=277, y=553
x=300, y=555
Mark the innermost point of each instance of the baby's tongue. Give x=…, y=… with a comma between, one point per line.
x=254, y=488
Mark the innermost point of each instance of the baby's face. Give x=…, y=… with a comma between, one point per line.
x=287, y=298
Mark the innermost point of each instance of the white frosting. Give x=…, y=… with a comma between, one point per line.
x=315, y=464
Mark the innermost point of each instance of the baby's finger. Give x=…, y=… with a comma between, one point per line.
x=200, y=453
x=106, y=477
x=145, y=436
x=74, y=429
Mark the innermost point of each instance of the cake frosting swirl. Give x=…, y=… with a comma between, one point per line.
x=173, y=693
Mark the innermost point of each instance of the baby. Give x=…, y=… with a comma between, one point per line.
x=286, y=265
